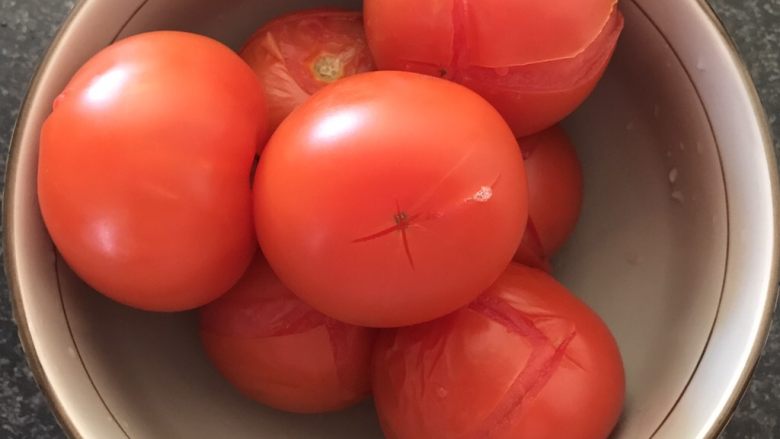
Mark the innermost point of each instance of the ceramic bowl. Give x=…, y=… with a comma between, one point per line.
x=676, y=249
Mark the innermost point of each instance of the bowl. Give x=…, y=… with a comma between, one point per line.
x=677, y=248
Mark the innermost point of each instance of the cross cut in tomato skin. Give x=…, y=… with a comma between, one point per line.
x=534, y=60
x=279, y=351
x=390, y=198
x=527, y=359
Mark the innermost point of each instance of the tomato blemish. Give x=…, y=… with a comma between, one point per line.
x=483, y=195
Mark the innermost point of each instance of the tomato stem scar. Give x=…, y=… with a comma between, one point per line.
x=328, y=68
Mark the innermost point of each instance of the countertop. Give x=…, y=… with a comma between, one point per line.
x=27, y=27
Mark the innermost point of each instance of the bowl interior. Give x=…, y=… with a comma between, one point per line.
x=649, y=254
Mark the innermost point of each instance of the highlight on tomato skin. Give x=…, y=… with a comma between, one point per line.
x=525, y=360
x=554, y=195
x=534, y=71
x=381, y=213
x=278, y=351
x=297, y=54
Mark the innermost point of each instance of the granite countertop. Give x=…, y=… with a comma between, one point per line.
x=27, y=27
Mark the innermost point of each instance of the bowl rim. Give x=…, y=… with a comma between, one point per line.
x=70, y=427
x=772, y=290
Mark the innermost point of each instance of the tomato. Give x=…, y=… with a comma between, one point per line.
x=143, y=176
x=390, y=198
x=554, y=194
x=277, y=350
x=534, y=60
x=298, y=54
x=525, y=360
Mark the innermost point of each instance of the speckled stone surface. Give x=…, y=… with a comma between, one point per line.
x=27, y=27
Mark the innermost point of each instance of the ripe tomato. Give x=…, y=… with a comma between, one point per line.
x=298, y=54
x=277, y=350
x=143, y=176
x=534, y=60
x=554, y=194
x=525, y=360
x=390, y=198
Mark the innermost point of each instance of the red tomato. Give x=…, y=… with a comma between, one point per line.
x=143, y=176
x=390, y=198
x=279, y=351
x=525, y=360
x=298, y=54
x=554, y=194
x=534, y=60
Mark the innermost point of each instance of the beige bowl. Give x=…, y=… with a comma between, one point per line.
x=677, y=247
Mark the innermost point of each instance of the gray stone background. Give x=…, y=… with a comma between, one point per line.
x=27, y=27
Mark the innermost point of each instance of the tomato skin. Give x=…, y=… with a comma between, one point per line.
x=143, y=176
x=534, y=82
x=526, y=360
x=298, y=54
x=278, y=351
x=381, y=213
x=554, y=194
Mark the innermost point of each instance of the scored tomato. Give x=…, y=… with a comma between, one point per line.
x=298, y=54
x=534, y=60
x=525, y=360
x=279, y=351
x=554, y=195
x=390, y=198
x=143, y=175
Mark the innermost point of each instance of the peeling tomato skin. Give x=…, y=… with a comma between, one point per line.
x=535, y=97
x=555, y=195
x=526, y=360
x=287, y=53
x=279, y=351
x=534, y=82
